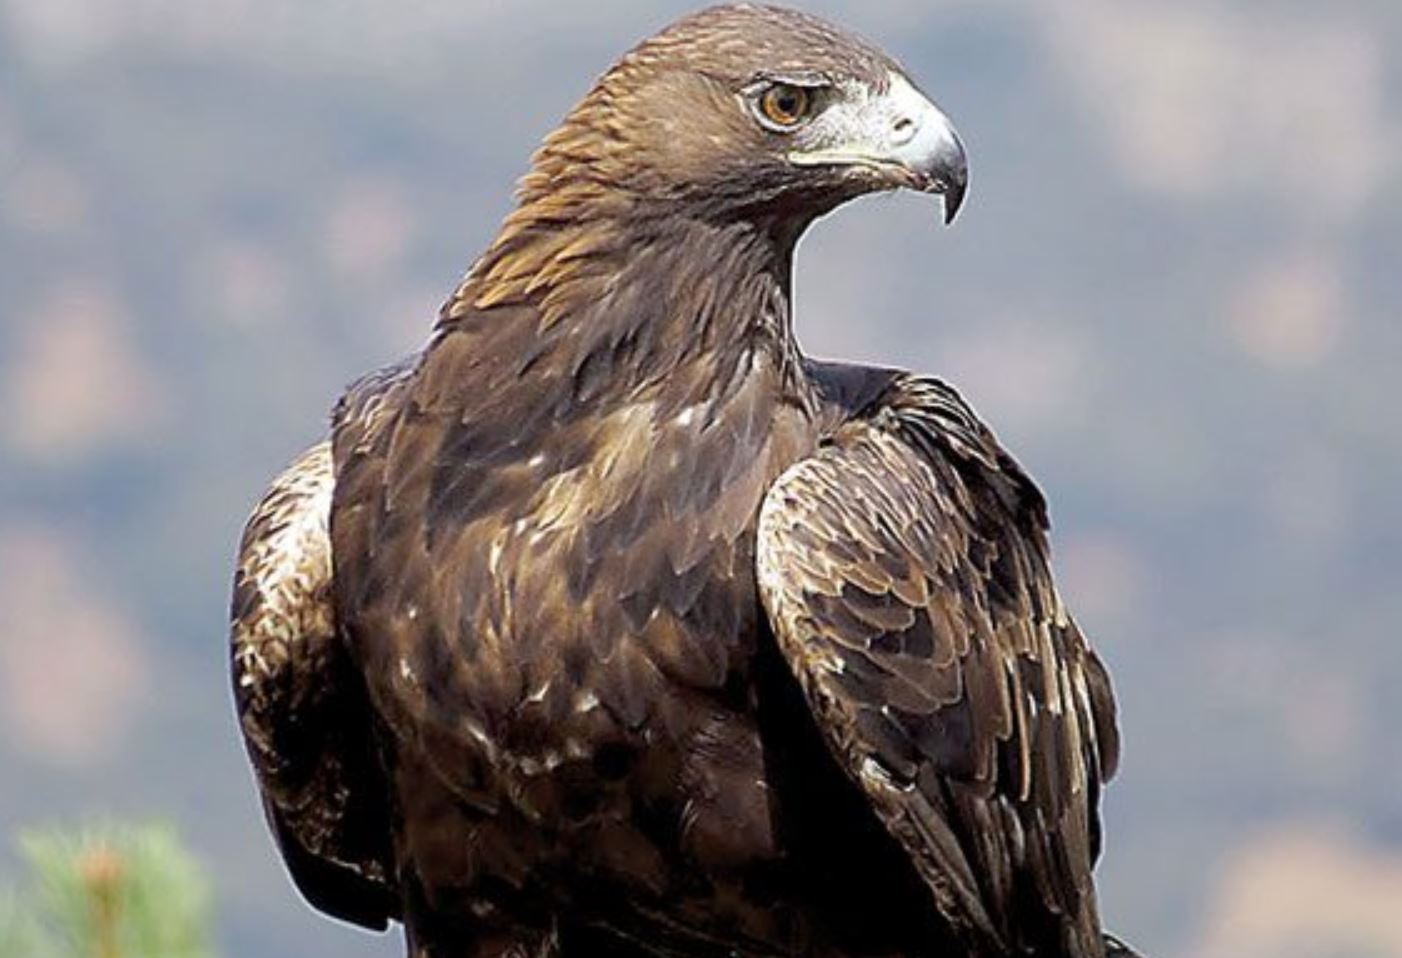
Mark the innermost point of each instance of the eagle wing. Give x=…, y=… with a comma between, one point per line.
x=904, y=569
x=302, y=709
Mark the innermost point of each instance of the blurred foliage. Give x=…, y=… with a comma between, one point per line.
x=111, y=891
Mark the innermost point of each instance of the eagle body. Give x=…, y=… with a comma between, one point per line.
x=611, y=624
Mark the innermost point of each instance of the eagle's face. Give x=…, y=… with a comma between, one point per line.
x=757, y=111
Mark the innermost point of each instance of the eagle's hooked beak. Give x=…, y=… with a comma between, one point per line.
x=924, y=142
x=901, y=134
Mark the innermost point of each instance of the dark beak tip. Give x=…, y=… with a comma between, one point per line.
x=957, y=182
x=953, y=201
x=954, y=195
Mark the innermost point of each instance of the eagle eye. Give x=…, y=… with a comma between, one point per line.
x=783, y=106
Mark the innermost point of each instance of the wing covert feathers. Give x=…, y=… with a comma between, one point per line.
x=301, y=708
x=283, y=628
x=904, y=569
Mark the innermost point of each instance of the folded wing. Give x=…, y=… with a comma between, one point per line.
x=302, y=709
x=904, y=569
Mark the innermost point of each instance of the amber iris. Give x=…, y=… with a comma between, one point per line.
x=785, y=105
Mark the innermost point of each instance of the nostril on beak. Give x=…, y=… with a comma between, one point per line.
x=903, y=130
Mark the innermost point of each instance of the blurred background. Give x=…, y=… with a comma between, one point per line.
x=1174, y=292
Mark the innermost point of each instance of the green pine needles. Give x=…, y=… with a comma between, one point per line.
x=114, y=891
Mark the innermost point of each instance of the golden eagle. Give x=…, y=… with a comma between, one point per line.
x=611, y=624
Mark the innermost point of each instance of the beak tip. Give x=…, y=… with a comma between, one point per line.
x=956, y=178
x=954, y=199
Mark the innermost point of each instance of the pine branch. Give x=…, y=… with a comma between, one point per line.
x=109, y=892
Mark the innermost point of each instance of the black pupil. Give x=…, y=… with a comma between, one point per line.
x=788, y=103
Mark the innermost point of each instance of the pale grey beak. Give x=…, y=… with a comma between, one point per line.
x=897, y=132
x=926, y=144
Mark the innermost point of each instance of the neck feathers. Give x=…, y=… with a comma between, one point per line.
x=583, y=286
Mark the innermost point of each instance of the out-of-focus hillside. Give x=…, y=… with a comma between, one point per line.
x=1174, y=292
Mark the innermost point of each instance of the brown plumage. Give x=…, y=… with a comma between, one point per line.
x=301, y=709
x=612, y=625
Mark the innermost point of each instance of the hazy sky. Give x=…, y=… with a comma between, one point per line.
x=1173, y=292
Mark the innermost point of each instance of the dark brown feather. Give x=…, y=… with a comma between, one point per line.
x=547, y=583
x=904, y=567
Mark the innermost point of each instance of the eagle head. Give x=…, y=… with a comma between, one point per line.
x=755, y=112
